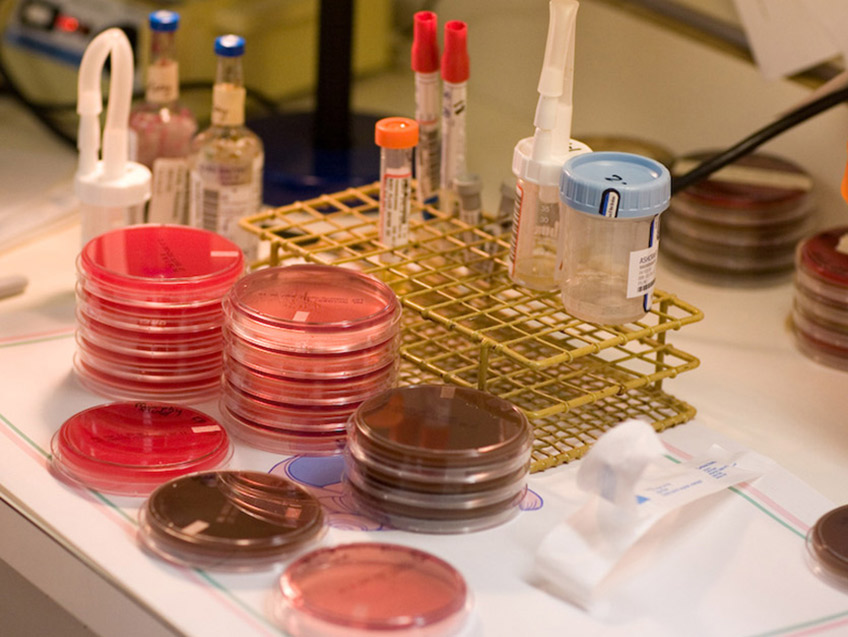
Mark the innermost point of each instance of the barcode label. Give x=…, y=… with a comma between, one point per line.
x=643, y=270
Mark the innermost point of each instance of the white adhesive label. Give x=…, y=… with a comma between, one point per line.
x=394, y=208
x=206, y=429
x=642, y=273
x=162, y=82
x=169, y=191
x=516, y=224
x=228, y=105
x=300, y=317
x=198, y=526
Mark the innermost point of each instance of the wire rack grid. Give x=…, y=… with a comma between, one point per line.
x=465, y=322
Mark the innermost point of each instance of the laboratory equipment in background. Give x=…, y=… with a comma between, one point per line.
x=455, y=73
x=161, y=128
x=112, y=191
x=227, y=158
x=611, y=205
x=425, y=63
x=537, y=160
x=820, y=309
x=396, y=137
x=740, y=226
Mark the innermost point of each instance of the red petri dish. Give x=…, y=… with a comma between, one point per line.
x=281, y=440
x=229, y=520
x=819, y=342
x=161, y=263
x=138, y=388
x=825, y=256
x=148, y=360
x=312, y=366
x=312, y=309
x=365, y=589
x=131, y=448
x=822, y=311
x=295, y=391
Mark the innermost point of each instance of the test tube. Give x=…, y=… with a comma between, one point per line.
x=396, y=137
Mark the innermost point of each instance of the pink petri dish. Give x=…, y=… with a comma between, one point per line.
x=229, y=520
x=161, y=264
x=822, y=311
x=368, y=589
x=285, y=416
x=310, y=366
x=820, y=342
x=315, y=392
x=194, y=340
x=131, y=448
x=311, y=309
x=316, y=442
x=149, y=360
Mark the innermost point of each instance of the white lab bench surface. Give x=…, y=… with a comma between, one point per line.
x=736, y=565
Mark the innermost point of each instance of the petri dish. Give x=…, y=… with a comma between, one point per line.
x=443, y=426
x=312, y=309
x=161, y=263
x=229, y=520
x=827, y=547
x=825, y=257
x=148, y=360
x=281, y=440
x=137, y=388
x=295, y=391
x=131, y=448
x=822, y=311
x=818, y=342
x=315, y=366
x=273, y=414
x=371, y=588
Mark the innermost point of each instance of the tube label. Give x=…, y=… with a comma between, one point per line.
x=394, y=207
x=642, y=274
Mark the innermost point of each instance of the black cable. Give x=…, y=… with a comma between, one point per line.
x=753, y=141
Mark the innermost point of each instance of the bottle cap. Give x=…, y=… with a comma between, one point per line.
x=455, y=58
x=611, y=184
x=396, y=132
x=231, y=46
x=164, y=20
x=425, y=48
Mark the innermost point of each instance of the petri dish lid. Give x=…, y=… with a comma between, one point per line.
x=442, y=425
x=162, y=262
x=827, y=547
x=754, y=181
x=821, y=310
x=371, y=588
x=130, y=448
x=825, y=255
x=229, y=520
x=312, y=308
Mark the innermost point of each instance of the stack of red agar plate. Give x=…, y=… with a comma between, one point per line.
x=820, y=312
x=305, y=345
x=149, y=316
x=438, y=458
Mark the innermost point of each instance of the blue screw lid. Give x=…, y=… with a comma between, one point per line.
x=613, y=184
x=164, y=20
x=231, y=46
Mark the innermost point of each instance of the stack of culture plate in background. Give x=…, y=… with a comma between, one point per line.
x=740, y=225
x=305, y=345
x=438, y=458
x=149, y=315
x=820, y=311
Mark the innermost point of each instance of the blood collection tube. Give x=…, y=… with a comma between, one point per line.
x=396, y=137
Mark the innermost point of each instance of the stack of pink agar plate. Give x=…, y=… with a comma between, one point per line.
x=820, y=312
x=305, y=345
x=149, y=316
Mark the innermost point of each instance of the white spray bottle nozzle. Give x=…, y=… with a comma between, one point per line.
x=113, y=180
x=540, y=157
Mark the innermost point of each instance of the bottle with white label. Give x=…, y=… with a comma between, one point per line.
x=610, y=205
x=227, y=158
x=161, y=128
